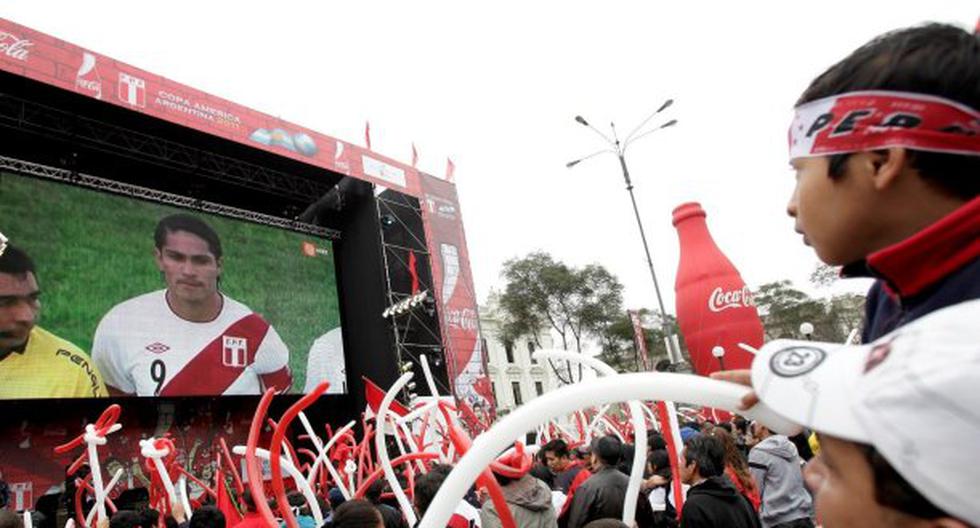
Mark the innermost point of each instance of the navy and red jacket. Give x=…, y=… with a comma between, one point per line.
x=934, y=268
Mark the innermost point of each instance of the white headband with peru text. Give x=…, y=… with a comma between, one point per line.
x=870, y=120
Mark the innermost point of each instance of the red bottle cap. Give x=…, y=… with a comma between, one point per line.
x=687, y=210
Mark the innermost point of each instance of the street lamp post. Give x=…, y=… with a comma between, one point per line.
x=619, y=149
x=719, y=353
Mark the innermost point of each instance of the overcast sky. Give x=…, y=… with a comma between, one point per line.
x=496, y=86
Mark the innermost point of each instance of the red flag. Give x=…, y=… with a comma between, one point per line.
x=450, y=169
x=413, y=272
x=224, y=503
x=367, y=134
x=415, y=155
x=373, y=394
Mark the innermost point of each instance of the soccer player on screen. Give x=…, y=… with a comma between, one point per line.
x=35, y=363
x=189, y=339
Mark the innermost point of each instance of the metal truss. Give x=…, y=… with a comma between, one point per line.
x=125, y=189
x=48, y=121
x=416, y=332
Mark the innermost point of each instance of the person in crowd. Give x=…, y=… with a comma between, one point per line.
x=657, y=489
x=426, y=487
x=655, y=442
x=207, y=517
x=565, y=470
x=777, y=469
x=34, y=363
x=188, y=339
x=357, y=513
x=252, y=517
x=712, y=500
x=541, y=471
x=392, y=517
x=301, y=509
x=737, y=468
x=125, y=519
x=896, y=420
x=149, y=517
x=336, y=497
x=604, y=493
x=528, y=498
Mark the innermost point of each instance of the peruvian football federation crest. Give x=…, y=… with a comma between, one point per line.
x=234, y=351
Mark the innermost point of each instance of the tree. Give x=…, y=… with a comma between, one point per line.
x=824, y=276
x=575, y=303
x=784, y=308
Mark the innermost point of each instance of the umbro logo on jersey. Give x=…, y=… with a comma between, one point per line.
x=234, y=351
x=157, y=348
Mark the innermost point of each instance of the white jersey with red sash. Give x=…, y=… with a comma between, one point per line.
x=142, y=347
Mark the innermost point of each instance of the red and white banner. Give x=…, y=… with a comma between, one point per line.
x=641, y=341
x=455, y=295
x=32, y=54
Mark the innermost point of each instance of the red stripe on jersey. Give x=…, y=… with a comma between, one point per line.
x=214, y=368
x=281, y=379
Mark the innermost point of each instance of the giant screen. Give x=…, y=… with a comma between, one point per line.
x=131, y=297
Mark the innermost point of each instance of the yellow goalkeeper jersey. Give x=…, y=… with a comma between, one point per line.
x=49, y=367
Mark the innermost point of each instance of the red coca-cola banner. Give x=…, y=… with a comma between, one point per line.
x=714, y=307
x=641, y=340
x=455, y=295
x=44, y=58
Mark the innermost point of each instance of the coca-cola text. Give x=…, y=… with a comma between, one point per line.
x=722, y=300
x=13, y=46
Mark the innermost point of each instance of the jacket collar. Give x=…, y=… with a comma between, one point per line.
x=920, y=261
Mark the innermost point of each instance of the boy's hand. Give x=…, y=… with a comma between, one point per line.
x=742, y=377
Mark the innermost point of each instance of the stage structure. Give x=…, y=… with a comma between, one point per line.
x=344, y=263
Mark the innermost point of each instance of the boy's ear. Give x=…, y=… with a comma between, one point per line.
x=888, y=164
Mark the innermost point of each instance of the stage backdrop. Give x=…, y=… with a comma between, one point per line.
x=95, y=250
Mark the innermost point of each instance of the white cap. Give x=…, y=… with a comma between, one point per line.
x=914, y=395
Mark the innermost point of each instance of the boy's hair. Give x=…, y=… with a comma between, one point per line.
x=933, y=59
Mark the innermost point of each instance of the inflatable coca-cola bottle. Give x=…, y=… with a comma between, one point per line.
x=714, y=307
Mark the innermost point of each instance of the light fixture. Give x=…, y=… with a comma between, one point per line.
x=806, y=329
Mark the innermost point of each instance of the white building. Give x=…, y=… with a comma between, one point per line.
x=516, y=377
